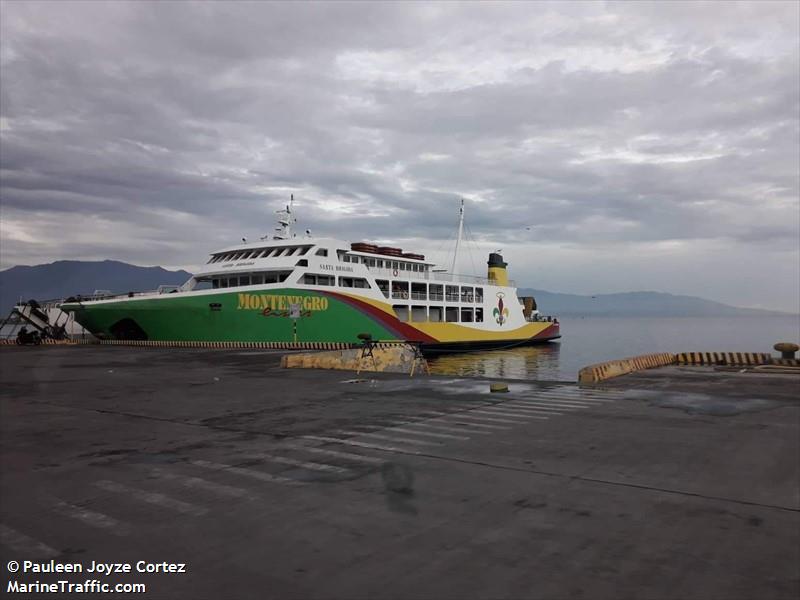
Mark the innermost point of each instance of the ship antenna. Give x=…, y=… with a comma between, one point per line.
x=285, y=220
x=460, y=232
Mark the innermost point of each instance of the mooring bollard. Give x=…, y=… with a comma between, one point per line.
x=787, y=349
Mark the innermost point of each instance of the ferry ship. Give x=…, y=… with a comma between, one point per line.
x=301, y=291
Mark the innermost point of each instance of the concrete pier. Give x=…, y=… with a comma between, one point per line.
x=678, y=482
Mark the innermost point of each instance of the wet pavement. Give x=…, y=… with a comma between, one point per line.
x=270, y=483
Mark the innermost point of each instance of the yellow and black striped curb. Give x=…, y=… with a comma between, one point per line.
x=263, y=345
x=193, y=344
x=203, y=344
x=734, y=359
x=47, y=342
x=615, y=368
x=785, y=362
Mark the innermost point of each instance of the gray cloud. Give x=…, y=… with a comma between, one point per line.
x=588, y=136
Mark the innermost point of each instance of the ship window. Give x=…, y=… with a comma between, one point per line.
x=451, y=314
x=215, y=283
x=383, y=286
x=419, y=291
x=304, y=250
x=322, y=252
x=370, y=262
x=436, y=292
x=312, y=279
x=354, y=282
x=435, y=314
x=302, y=262
x=451, y=293
x=380, y=264
x=419, y=314
x=479, y=315
x=467, y=294
x=223, y=283
x=466, y=315
x=401, y=312
x=244, y=280
x=291, y=251
x=267, y=252
x=478, y=294
x=346, y=258
x=283, y=275
x=400, y=289
x=257, y=280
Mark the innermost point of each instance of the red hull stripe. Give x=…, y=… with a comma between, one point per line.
x=399, y=329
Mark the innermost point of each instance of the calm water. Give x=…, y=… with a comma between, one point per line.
x=590, y=340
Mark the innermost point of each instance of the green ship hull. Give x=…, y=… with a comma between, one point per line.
x=231, y=317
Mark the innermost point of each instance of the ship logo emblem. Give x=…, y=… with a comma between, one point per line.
x=501, y=312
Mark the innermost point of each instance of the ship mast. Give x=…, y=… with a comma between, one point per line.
x=460, y=232
x=285, y=220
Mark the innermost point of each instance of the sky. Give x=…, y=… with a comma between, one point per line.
x=603, y=147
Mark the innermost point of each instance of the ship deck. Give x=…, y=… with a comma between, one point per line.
x=272, y=483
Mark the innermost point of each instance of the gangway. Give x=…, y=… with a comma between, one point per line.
x=46, y=318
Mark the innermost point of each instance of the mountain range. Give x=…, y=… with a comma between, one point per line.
x=636, y=304
x=65, y=278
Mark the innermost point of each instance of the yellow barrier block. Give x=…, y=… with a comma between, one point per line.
x=397, y=359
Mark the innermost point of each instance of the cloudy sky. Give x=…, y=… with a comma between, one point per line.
x=603, y=146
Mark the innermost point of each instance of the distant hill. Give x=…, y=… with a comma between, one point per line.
x=65, y=278
x=636, y=304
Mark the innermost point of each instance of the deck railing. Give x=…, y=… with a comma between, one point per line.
x=382, y=273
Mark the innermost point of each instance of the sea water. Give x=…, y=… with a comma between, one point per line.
x=588, y=340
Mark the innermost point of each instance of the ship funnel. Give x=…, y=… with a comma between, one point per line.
x=497, y=269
